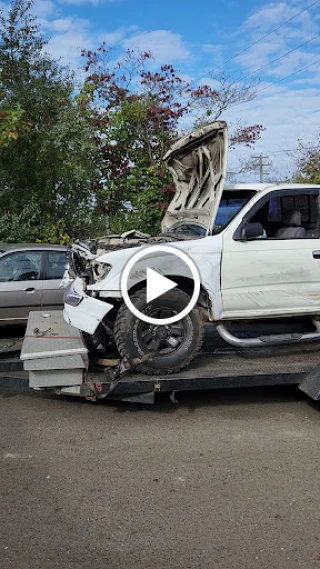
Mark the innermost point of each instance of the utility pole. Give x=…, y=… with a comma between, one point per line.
x=259, y=164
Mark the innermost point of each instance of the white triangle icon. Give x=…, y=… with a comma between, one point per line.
x=157, y=285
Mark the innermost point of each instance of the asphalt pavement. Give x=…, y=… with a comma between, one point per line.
x=225, y=479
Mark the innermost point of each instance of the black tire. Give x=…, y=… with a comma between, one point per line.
x=135, y=338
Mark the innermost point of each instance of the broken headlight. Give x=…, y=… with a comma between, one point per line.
x=100, y=270
x=72, y=296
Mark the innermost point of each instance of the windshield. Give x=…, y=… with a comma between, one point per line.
x=231, y=203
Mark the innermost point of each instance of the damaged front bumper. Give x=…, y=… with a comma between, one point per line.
x=82, y=311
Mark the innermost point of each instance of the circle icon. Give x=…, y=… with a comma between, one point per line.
x=157, y=284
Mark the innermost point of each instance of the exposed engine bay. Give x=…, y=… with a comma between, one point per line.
x=82, y=254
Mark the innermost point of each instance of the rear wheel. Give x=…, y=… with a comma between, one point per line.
x=171, y=347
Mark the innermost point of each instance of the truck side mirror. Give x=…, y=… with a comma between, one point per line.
x=251, y=231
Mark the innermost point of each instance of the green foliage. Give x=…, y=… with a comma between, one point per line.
x=82, y=165
x=138, y=188
x=47, y=154
x=24, y=226
x=12, y=124
x=308, y=165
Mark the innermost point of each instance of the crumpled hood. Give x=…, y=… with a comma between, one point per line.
x=198, y=163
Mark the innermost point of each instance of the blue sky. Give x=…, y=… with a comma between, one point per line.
x=200, y=36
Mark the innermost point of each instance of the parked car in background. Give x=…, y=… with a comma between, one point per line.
x=30, y=275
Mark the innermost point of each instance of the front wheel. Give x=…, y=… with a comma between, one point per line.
x=171, y=347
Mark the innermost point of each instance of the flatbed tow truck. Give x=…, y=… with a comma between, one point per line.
x=54, y=358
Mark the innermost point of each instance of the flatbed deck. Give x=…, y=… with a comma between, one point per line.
x=225, y=368
x=61, y=354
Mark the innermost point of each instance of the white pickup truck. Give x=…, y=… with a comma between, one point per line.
x=256, y=247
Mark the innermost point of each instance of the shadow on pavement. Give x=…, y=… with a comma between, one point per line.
x=195, y=400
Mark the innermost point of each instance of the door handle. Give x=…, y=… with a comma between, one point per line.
x=316, y=254
x=29, y=289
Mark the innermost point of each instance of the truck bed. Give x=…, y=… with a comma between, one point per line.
x=51, y=362
x=222, y=366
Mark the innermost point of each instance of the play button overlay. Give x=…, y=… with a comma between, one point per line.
x=150, y=263
x=157, y=285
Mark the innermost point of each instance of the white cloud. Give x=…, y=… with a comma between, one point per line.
x=260, y=54
x=117, y=36
x=216, y=50
x=292, y=63
x=269, y=16
x=286, y=45
x=40, y=8
x=165, y=46
x=282, y=16
x=63, y=25
x=67, y=46
x=44, y=8
x=67, y=37
x=276, y=60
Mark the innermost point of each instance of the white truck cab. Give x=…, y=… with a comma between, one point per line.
x=256, y=247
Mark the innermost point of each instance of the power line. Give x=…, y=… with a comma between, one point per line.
x=278, y=58
x=275, y=82
x=273, y=61
x=266, y=35
x=258, y=41
x=296, y=149
x=287, y=76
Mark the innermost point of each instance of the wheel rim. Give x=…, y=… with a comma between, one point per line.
x=162, y=339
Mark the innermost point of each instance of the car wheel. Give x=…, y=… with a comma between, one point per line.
x=171, y=347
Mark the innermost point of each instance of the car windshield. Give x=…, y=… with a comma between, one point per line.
x=231, y=203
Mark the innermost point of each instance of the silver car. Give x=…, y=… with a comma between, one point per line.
x=30, y=275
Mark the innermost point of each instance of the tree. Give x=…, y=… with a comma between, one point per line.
x=12, y=124
x=308, y=163
x=47, y=154
x=137, y=114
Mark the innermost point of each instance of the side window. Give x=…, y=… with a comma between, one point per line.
x=57, y=262
x=289, y=216
x=22, y=266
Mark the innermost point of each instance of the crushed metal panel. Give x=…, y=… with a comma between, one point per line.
x=54, y=337
x=56, y=378
x=198, y=164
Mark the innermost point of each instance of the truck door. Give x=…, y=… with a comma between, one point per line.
x=278, y=272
